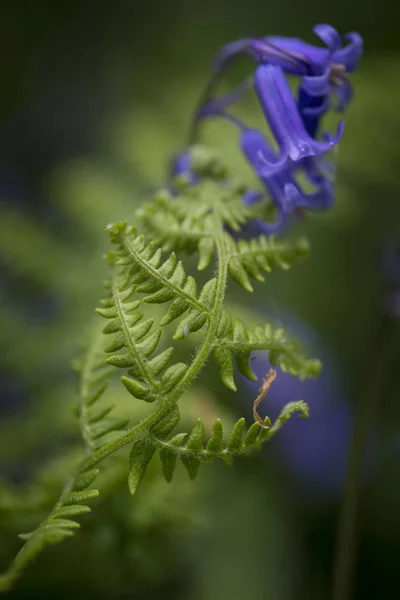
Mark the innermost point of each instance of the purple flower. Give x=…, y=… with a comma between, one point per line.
x=182, y=165
x=293, y=123
x=284, y=191
x=286, y=194
x=282, y=114
x=323, y=71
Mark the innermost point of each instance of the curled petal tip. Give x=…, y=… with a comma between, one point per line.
x=329, y=35
x=349, y=55
x=270, y=167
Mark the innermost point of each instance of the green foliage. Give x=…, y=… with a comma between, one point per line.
x=236, y=340
x=97, y=426
x=191, y=450
x=152, y=306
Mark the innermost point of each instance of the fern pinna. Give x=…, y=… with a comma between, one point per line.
x=142, y=276
x=154, y=304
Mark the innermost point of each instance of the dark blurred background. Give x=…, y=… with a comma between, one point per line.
x=95, y=97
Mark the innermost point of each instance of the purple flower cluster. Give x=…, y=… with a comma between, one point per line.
x=294, y=122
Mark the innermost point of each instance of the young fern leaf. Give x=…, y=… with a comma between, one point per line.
x=199, y=217
x=97, y=426
x=171, y=228
x=57, y=526
x=187, y=221
x=190, y=449
x=97, y=430
x=239, y=342
x=249, y=259
x=143, y=450
x=141, y=270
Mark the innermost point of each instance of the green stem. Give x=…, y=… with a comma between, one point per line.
x=135, y=433
x=25, y=555
x=212, y=330
x=345, y=559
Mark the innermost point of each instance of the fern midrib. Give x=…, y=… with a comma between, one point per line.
x=216, y=312
x=163, y=407
x=144, y=370
x=204, y=454
x=155, y=274
x=248, y=346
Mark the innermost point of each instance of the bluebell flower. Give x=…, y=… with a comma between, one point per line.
x=182, y=165
x=282, y=114
x=285, y=193
x=323, y=71
x=293, y=123
x=283, y=189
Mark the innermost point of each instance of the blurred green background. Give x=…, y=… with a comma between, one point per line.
x=95, y=98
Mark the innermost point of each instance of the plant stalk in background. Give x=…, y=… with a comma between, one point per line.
x=384, y=338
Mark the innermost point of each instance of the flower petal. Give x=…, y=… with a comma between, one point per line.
x=316, y=85
x=259, y=153
x=330, y=36
x=349, y=55
x=311, y=60
x=321, y=199
x=311, y=109
x=343, y=94
x=282, y=113
x=182, y=165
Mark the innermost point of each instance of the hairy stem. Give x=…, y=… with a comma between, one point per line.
x=163, y=407
x=208, y=344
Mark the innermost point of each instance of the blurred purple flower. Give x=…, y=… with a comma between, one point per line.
x=315, y=450
x=294, y=124
x=323, y=71
x=182, y=165
x=282, y=114
x=285, y=193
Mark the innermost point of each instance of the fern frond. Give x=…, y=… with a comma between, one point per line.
x=98, y=427
x=186, y=220
x=235, y=340
x=158, y=281
x=192, y=450
x=249, y=259
x=141, y=270
x=170, y=227
x=195, y=220
x=57, y=526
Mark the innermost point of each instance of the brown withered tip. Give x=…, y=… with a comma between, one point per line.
x=262, y=392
